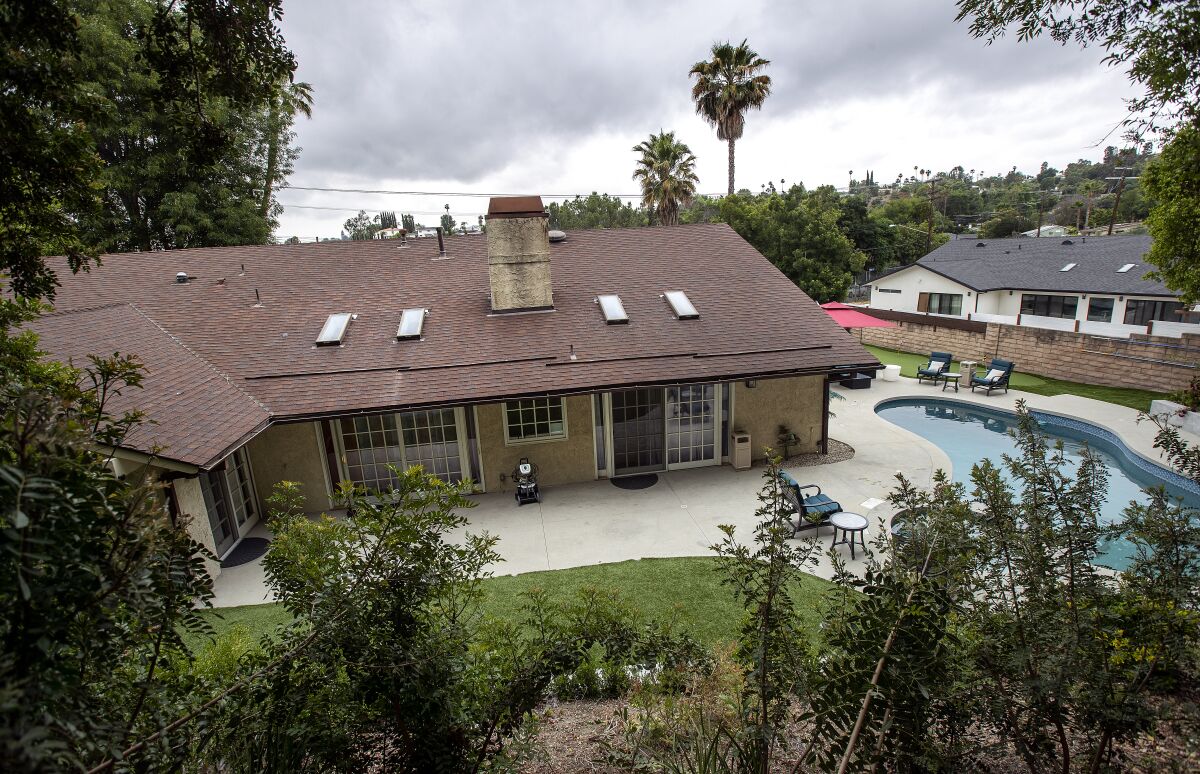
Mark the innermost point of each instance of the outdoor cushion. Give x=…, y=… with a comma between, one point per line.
x=935, y=366
x=993, y=375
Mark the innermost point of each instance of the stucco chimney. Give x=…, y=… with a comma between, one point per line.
x=519, y=254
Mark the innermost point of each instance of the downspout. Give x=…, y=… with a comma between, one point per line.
x=825, y=418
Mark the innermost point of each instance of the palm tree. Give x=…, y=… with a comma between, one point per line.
x=726, y=87
x=292, y=99
x=667, y=172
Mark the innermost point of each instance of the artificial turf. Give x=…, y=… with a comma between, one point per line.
x=1041, y=385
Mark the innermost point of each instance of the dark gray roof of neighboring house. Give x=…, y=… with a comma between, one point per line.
x=1036, y=264
x=219, y=364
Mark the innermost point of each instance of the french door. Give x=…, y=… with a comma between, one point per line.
x=668, y=428
x=228, y=492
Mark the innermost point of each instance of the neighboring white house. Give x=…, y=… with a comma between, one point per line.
x=1098, y=281
x=1048, y=230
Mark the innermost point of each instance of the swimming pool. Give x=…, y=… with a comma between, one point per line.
x=968, y=434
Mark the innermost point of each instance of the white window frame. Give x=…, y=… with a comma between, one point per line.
x=460, y=429
x=553, y=438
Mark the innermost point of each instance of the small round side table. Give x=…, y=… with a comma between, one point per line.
x=853, y=528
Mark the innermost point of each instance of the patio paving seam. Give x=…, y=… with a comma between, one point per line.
x=684, y=506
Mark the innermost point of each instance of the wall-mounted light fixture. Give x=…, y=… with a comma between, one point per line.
x=752, y=383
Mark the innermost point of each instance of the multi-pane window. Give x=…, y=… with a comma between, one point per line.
x=241, y=492
x=371, y=445
x=426, y=438
x=535, y=419
x=940, y=303
x=229, y=499
x=1049, y=306
x=1140, y=312
x=1100, y=310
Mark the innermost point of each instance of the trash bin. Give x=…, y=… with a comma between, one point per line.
x=741, y=450
x=891, y=373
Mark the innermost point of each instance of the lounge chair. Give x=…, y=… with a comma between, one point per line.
x=939, y=363
x=811, y=508
x=996, y=377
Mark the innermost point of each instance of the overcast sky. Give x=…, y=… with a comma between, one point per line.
x=549, y=97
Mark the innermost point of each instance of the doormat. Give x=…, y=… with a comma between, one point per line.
x=246, y=551
x=644, y=481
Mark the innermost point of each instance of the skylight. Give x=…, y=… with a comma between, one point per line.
x=613, y=309
x=412, y=321
x=334, y=329
x=1126, y=268
x=681, y=305
x=1068, y=267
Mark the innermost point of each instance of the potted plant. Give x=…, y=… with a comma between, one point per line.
x=1182, y=409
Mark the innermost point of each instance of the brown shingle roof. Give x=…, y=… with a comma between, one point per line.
x=753, y=320
x=198, y=415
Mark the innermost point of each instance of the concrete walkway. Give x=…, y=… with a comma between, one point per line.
x=595, y=522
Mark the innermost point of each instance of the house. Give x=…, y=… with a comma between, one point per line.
x=1048, y=230
x=1089, y=279
x=391, y=232
x=601, y=354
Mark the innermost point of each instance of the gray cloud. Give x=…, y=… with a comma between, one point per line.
x=456, y=90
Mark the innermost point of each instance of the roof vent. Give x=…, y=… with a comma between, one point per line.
x=1068, y=267
x=1068, y=242
x=557, y=236
x=412, y=322
x=613, y=309
x=981, y=244
x=681, y=305
x=182, y=277
x=1126, y=268
x=334, y=329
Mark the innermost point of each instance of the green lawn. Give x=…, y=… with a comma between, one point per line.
x=1042, y=385
x=689, y=588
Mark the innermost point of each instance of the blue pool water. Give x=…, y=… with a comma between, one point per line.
x=969, y=434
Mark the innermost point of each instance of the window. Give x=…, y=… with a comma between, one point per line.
x=534, y=419
x=1100, y=310
x=1126, y=268
x=1140, y=312
x=613, y=309
x=229, y=499
x=426, y=438
x=887, y=290
x=412, y=321
x=334, y=329
x=1049, y=306
x=940, y=303
x=681, y=305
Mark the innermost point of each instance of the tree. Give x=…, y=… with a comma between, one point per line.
x=48, y=166
x=726, y=87
x=1156, y=40
x=98, y=580
x=798, y=232
x=134, y=124
x=666, y=170
x=448, y=221
x=1006, y=223
x=292, y=240
x=408, y=223
x=387, y=219
x=291, y=100
x=1173, y=181
x=595, y=211
x=361, y=226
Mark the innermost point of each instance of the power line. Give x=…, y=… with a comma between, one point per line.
x=460, y=193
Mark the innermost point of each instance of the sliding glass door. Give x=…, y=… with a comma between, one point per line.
x=432, y=439
x=228, y=492
x=658, y=428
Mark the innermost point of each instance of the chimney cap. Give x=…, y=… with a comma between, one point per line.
x=516, y=207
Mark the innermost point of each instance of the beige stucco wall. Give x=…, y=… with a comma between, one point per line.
x=570, y=459
x=290, y=452
x=195, y=517
x=519, y=263
x=793, y=401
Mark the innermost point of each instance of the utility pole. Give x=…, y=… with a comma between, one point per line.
x=929, y=231
x=1112, y=221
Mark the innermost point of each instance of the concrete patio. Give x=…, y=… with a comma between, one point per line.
x=596, y=522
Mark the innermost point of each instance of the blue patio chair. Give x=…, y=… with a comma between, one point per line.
x=808, y=504
x=939, y=363
x=996, y=377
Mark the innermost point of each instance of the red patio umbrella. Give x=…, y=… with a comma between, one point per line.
x=848, y=317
